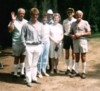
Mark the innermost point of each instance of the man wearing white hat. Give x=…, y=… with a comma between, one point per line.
x=50, y=17
x=50, y=22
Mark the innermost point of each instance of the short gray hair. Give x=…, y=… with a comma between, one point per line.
x=21, y=9
x=57, y=14
x=79, y=11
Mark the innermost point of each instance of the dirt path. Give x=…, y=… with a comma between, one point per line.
x=60, y=82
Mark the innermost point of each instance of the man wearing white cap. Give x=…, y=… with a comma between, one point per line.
x=50, y=22
x=50, y=17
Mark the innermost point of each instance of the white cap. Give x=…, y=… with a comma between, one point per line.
x=49, y=11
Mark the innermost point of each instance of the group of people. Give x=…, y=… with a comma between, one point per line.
x=36, y=45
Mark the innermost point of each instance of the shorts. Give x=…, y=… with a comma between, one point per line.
x=18, y=49
x=67, y=43
x=80, y=46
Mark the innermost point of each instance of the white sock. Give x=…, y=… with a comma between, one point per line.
x=76, y=66
x=68, y=63
x=84, y=67
x=22, y=66
x=73, y=64
x=15, y=69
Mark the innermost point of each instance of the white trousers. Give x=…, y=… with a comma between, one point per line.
x=33, y=53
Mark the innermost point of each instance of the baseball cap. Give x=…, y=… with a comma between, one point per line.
x=49, y=11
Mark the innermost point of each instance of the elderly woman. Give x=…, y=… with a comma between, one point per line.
x=56, y=36
x=42, y=63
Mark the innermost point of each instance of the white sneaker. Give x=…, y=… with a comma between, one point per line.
x=29, y=84
x=45, y=74
x=40, y=76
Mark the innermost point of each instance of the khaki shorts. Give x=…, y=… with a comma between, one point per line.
x=18, y=49
x=80, y=46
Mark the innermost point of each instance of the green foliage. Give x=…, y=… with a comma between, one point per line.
x=89, y=7
x=95, y=35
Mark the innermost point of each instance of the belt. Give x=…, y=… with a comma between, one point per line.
x=35, y=43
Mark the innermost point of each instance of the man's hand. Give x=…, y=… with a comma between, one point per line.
x=79, y=34
x=73, y=37
x=13, y=16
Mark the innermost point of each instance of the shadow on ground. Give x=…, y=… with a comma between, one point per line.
x=96, y=73
x=8, y=78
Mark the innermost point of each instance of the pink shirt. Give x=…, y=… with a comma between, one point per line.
x=83, y=26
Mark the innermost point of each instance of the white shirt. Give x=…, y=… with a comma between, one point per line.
x=16, y=38
x=67, y=25
x=56, y=31
x=46, y=32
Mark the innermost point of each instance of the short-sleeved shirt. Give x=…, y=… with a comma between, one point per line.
x=67, y=41
x=17, y=46
x=16, y=37
x=83, y=27
x=67, y=25
x=80, y=44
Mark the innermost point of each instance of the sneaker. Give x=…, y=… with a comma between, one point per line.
x=73, y=71
x=1, y=66
x=29, y=84
x=22, y=76
x=56, y=71
x=68, y=72
x=75, y=75
x=40, y=76
x=45, y=74
x=34, y=81
x=15, y=78
x=52, y=72
x=24, y=81
x=83, y=75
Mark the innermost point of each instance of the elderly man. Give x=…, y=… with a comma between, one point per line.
x=79, y=30
x=50, y=17
x=15, y=27
x=50, y=22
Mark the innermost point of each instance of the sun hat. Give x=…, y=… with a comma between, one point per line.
x=50, y=11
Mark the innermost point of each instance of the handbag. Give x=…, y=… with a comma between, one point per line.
x=56, y=48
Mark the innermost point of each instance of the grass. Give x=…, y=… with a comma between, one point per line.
x=95, y=35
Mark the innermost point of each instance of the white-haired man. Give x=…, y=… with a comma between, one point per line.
x=15, y=27
x=79, y=30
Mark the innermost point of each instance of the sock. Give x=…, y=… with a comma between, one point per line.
x=22, y=66
x=15, y=69
x=76, y=66
x=84, y=67
x=73, y=64
x=68, y=64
